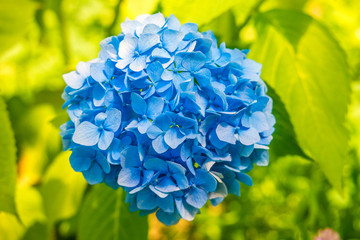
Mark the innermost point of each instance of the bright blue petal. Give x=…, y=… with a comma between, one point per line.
x=103, y=163
x=79, y=162
x=143, y=125
x=258, y=120
x=153, y=132
x=130, y=157
x=138, y=104
x=244, y=178
x=193, y=61
x=146, y=200
x=94, y=174
x=186, y=211
x=155, y=70
x=155, y=107
x=156, y=164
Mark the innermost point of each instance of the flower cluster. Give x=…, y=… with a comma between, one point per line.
x=169, y=116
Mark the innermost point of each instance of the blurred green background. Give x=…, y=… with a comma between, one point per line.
x=40, y=40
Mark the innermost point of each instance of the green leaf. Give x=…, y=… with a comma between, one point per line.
x=196, y=11
x=285, y=140
x=307, y=68
x=29, y=205
x=15, y=17
x=7, y=162
x=10, y=227
x=62, y=189
x=105, y=216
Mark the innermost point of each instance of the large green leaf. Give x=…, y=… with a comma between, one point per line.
x=308, y=69
x=7, y=162
x=62, y=189
x=285, y=141
x=196, y=11
x=105, y=216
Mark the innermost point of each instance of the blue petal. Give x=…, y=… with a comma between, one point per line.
x=260, y=157
x=138, y=104
x=147, y=41
x=146, y=200
x=205, y=180
x=189, y=27
x=166, y=185
x=105, y=139
x=79, y=162
x=226, y=133
x=156, y=164
x=166, y=204
x=173, y=138
x=168, y=218
x=130, y=157
x=197, y=197
x=249, y=136
x=155, y=107
x=103, y=163
x=129, y=177
x=186, y=211
x=113, y=120
x=99, y=95
x=86, y=134
x=244, y=178
x=155, y=70
x=94, y=175
x=163, y=121
x=160, y=53
x=171, y=39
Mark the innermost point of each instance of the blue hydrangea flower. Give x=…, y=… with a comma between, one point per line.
x=169, y=116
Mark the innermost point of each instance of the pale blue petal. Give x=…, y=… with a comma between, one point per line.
x=258, y=120
x=138, y=64
x=193, y=61
x=173, y=138
x=143, y=125
x=155, y=107
x=127, y=47
x=159, y=144
x=105, y=139
x=147, y=41
x=113, y=120
x=74, y=80
x=171, y=39
x=86, y=134
x=226, y=133
x=166, y=185
x=249, y=136
x=153, y=132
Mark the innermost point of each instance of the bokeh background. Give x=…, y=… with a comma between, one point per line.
x=42, y=39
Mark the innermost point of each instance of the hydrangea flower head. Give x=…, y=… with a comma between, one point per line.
x=169, y=116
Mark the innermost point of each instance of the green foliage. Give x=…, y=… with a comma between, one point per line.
x=13, y=24
x=105, y=215
x=62, y=189
x=308, y=69
x=196, y=11
x=7, y=162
